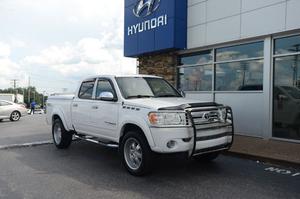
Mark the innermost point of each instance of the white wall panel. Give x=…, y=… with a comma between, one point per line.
x=197, y=14
x=293, y=14
x=197, y=36
x=255, y=4
x=204, y=97
x=263, y=21
x=218, y=9
x=192, y=2
x=248, y=111
x=223, y=30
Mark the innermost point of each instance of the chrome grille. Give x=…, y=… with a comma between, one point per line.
x=210, y=118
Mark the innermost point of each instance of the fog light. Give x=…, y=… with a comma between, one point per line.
x=171, y=144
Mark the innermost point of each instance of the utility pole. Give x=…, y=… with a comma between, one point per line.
x=14, y=82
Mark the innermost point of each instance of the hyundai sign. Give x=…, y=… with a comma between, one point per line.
x=154, y=26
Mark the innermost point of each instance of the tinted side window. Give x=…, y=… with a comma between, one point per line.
x=104, y=86
x=86, y=90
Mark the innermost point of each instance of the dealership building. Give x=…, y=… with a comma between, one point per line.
x=242, y=53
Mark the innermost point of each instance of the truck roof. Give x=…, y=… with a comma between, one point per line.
x=113, y=76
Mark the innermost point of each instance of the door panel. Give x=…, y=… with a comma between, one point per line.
x=104, y=118
x=81, y=107
x=104, y=114
x=5, y=109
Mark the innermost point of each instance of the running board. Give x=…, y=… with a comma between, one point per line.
x=94, y=140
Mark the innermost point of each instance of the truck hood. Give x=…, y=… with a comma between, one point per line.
x=162, y=103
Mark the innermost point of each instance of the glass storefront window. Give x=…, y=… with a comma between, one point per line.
x=244, y=51
x=195, y=78
x=287, y=45
x=239, y=76
x=199, y=58
x=286, y=97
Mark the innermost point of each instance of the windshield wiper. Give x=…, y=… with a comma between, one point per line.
x=138, y=96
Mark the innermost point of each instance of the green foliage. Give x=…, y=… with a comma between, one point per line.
x=34, y=95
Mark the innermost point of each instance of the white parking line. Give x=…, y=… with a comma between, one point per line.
x=25, y=144
x=282, y=171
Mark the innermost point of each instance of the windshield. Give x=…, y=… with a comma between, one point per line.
x=143, y=87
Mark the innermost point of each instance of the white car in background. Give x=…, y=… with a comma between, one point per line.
x=12, y=111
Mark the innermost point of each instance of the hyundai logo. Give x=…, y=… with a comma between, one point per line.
x=145, y=8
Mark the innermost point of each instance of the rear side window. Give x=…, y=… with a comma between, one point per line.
x=86, y=90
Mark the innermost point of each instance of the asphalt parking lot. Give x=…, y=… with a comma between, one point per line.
x=87, y=170
x=31, y=128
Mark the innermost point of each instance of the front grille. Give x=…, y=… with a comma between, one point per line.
x=209, y=118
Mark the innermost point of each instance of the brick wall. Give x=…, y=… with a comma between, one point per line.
x=163, y=65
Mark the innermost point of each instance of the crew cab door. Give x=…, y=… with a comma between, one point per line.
x=81, y=107
x=104, y=112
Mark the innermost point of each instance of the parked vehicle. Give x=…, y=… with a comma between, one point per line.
x=141, y=115
x=12, y=111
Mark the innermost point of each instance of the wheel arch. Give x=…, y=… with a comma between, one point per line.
x=20, y=115
x=57, y=116
x=131, y=126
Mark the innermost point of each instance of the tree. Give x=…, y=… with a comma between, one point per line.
x=34, y=94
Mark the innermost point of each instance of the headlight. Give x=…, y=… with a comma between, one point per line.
x=167, y=118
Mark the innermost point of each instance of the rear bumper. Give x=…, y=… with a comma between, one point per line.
x=23, y=113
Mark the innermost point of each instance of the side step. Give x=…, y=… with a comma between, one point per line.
x=96, y=141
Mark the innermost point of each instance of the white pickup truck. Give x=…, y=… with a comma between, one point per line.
x=142, y=115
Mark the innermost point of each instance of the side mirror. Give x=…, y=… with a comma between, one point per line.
x=282, y=97
x=106, y=96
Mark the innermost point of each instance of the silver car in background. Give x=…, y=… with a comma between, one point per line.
x=12, y=111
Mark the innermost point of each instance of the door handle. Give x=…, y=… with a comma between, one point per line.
x=75, y=105
x=95, y=107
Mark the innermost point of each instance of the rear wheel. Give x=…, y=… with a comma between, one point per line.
x=136, y=153
x=207, y=157
x=15, y=116
x=61, y=137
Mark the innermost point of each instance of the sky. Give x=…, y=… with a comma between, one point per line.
x=54, y=44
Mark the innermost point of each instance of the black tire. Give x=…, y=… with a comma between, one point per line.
x=145, y=165
x=207, y=157
x=62, y=138
x=15, y=116
x=1, y=120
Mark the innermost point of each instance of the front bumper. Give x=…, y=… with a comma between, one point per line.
x=203, y=136
x=207, y=141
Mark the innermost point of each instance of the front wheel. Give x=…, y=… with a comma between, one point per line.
x=15, y=116
x=136, y=153
x=61, y=137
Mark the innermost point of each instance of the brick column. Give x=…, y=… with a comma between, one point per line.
x=163, y=65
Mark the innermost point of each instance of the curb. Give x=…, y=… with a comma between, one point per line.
x=263, y=159
x=32, y=144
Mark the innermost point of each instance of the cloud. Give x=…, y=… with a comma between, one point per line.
x=89, y=56
x=57, y=42
x=11, y=70
x=4, y=50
